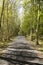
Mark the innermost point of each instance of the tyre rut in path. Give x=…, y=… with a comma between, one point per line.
x=20, y=52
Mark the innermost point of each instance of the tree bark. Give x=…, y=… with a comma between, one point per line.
x=2, y=12
x=1, y=19
x=38, y=25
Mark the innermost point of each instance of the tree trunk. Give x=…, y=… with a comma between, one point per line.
x=7, y=23
x=1, y=19
x=31, y=31
x=38, y=25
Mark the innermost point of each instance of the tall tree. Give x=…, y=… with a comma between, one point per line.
x=1, y=18
x=2, y=12
x=38, y=22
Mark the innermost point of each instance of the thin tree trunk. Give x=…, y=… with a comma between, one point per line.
x=7, y=23
x=31, y=34
x=3, y=37
x=1, y=19
x=2, y=12
x=38, y=26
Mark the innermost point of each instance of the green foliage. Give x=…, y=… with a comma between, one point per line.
x=32, y=18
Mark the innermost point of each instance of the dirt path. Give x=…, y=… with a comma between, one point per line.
x=21, y=51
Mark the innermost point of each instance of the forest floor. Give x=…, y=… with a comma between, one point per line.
x=37, y=47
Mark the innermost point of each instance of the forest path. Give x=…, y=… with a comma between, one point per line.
x=21, y=52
